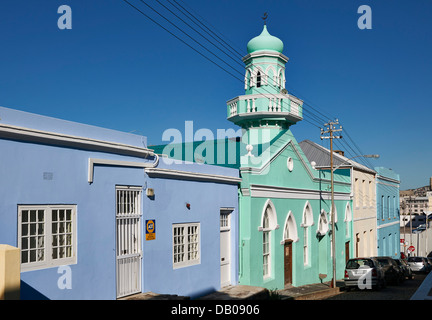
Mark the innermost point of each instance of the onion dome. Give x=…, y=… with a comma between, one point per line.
x=265, y=41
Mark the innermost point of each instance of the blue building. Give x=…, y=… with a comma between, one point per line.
x=387, y=195
x=99, y=215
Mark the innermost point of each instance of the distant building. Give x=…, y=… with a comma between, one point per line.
x=414, y=205
x=387, y=193
x=363, y=186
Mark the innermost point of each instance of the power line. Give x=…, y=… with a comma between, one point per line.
x=241, y=80
x=173, y=13
x=185, y=33
x=154, y=21
x=316, y=119
x=199, y=24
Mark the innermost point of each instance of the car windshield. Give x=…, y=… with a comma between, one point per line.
x=415, y=259
x=357, y=263
x=383, y=261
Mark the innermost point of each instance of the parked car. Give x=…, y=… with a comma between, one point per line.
x=405, y=267
x=429, y=259
x=392, y=272
x=359, y=271
x=419, y=264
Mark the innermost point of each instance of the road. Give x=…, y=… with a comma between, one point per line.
x=403, y=291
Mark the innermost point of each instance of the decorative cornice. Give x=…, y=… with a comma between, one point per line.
x=262, y=191
x=388, y=179
x=267, y=53
x=255, y=170
x=265, y=95
x=380, y=226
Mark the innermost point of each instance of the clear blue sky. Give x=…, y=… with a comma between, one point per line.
x=117, y=69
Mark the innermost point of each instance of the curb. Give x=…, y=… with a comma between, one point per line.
x=316, y=295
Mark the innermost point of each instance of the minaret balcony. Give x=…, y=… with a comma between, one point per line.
x=265, y=106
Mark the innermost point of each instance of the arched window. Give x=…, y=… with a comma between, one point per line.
x=306, y=223
x=323, y=225
x=266, y=245
x=258, y=83
x=269, y=223
x=248, y=79
x=347, y=220
x=281, y=80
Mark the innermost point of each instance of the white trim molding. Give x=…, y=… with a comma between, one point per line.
x=65, y=140
x=118, y=163
x=186, y=175
x=261, y=191
x=388, y=224
x=290, y=227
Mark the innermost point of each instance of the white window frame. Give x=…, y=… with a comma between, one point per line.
x=307, y=223
x=306, y=245
x=181, y=244
x=266, y=246
x=41, y=237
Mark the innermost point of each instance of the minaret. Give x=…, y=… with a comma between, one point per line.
x=266, y=103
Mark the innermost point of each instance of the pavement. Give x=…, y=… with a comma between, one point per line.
x=315, y=291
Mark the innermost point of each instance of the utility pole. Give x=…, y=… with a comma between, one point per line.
x=330, y=129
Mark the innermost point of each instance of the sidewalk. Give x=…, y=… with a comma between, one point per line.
x=315, y=291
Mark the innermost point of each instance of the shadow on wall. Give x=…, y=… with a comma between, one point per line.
x=30, y=293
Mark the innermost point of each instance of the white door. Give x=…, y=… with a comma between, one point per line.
x=225, y=247
x=128, y=240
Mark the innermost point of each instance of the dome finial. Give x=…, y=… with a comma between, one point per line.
x=265, y=17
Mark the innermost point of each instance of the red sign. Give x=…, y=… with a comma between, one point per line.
x=411, y=248
x=402, y=240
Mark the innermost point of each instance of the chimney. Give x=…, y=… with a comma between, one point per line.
x=430, y=183
x=343, y=153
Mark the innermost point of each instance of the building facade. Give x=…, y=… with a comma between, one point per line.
x=284, y=202
x=388, y=214
x=285, y=218
x=98, y=215
x=362, y=192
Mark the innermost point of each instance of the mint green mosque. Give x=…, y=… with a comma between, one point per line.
x=284, y=201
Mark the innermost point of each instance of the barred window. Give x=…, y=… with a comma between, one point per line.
x=186, y=244
x=46, y=236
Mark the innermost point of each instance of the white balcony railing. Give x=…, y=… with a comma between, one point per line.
x=275, y=103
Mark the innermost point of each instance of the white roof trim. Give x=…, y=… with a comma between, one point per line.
x=186, y=175
x=53, y=138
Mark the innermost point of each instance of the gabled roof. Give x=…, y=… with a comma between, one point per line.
x=321, y=156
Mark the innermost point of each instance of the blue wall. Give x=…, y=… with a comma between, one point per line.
x=387, y=195
x=168, y=207
x=23, y=168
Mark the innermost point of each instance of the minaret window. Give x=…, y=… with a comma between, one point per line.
x=259, y=79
